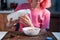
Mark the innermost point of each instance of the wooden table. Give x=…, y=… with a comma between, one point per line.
x=22, y=36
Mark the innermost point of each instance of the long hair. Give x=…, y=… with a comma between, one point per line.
x=44, y=4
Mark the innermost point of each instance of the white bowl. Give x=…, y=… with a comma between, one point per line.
x=31, y=30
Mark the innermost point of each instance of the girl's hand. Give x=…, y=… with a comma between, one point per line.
x=26, y=20
x=12, y=23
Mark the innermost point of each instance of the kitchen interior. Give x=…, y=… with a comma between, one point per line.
x=8, y=6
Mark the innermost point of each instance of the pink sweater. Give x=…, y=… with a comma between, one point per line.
x=39, y=17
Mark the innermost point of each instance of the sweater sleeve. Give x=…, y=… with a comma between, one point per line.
x=19, y=7
x=46, y=22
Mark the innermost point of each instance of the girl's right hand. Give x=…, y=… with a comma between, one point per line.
x=12, y=23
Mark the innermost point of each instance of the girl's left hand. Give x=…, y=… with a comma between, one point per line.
x=26, y=20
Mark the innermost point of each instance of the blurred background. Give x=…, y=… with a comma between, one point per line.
x=8, y=6
x=12, y=4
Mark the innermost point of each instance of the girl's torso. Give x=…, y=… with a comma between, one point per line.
x=36, y=15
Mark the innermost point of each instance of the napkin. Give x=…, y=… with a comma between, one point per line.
x=57, y=35
x=2, y=34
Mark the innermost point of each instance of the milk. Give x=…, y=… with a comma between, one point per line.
x=17, y=14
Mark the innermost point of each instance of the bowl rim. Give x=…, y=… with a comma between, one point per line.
x=26, y=28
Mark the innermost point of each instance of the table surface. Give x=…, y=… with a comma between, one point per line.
x=22, y=36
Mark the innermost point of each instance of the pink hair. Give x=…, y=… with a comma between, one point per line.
x=44, y=4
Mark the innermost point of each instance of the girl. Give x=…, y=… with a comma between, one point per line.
x=39, y=16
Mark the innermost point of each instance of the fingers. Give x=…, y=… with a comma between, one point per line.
x=12, y=22
x=25, y=21
x=11, y=19
x=16, y=21
x=25, y=17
